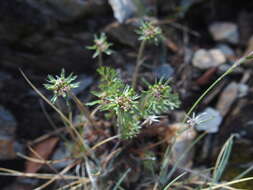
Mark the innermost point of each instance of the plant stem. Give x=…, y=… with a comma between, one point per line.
x=83, y=109
x=138, y=63
x=100, y=59
x=231, y=69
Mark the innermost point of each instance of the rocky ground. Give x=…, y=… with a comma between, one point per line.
x=203, y=39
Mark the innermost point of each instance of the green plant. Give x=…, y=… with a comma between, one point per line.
x=101, y=46
x=61, y=85
x=148, y=32
x=128, y=107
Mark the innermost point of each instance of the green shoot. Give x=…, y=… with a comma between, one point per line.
x=128, y=107
x=61, y=85
x=101, y=46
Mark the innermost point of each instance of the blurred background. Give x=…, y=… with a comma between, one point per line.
x=203, y=38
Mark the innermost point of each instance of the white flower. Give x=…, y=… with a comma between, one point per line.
x=151, y=119
x=197, y=120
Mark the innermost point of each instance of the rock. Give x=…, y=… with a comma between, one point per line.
x=224, y=31
x=211, y=121
x=226, y=50
x=62, y=153
x=8, y=123
x=205, y=59
x=72, y=57
x=249, y=46
x=243, y=90
x=69, y=9
x=164, y=71
x=123, y=9
x=182, y=142
x=224, y=67
x=123, y=33
x=84, y=82
x=36, y=37
x=8, y=145
x=227, y=98
x=19, y=186
x=17, y=23
x=3, y=78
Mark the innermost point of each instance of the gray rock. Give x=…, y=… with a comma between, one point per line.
x=123, y=9
x=224, y=31
x=181, y=144
x=4, y=77
x=8, y=123
x=227, y=98
x=205, y=59
x=164, y=71
x=211, y=121
x=62, y=153
x=8, y=145
x=123, y=33
x=226, y=50
x=67, y=10
x=243, y=90
x=84, y=82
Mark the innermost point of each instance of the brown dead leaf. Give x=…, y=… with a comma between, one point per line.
x=40, y=151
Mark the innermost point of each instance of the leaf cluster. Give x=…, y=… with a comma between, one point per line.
x=101, y=45
x=61, y=85
x=149, y=32
x=127, y=106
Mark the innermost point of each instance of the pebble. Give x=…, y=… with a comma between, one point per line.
x=61, y=153
x=205, y=59
x=211, y=121
x=84, y=82
x=243, y=90
x=226, y=50
x=164, y=71
x=123, y=9
x=227, y=98
x=225, y=31
x=182, y=143
x=8, y=145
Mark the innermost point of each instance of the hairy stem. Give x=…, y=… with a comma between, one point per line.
x=138, y=63
x=100, y=59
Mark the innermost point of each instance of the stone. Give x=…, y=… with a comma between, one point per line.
x=72, y=9
x=8, y=123
x=182, y=142
x=8, y=145
x=36, y=37
x=226, y=50
x=205, y=59
x=84, y=82
x=227, y=98
x=225, y=31
x=243, y=90
x=3, y=78
x=123, y=33
x=164, y=71
x=62, y=153
x=211, y=120
x=123, y=9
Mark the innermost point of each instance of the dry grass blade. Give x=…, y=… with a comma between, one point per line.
x=223, y=185
x=105, y=141
x=9, y=172
x=80, y=139
x=173, y=181
x=55, y=177
x=41, y=161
